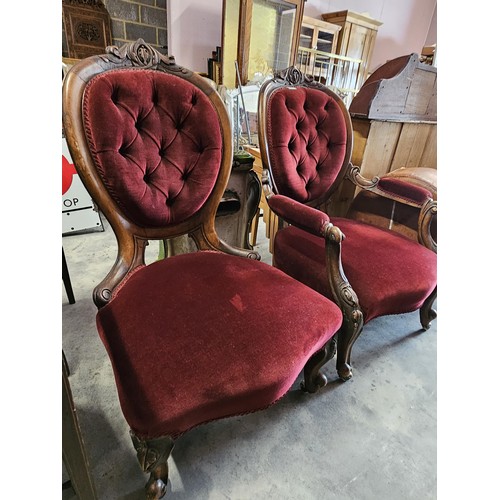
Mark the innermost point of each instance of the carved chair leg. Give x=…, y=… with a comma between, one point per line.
x=427, y=314
x=153, y=456
x=313, y=378
x=346, y=298
x=346, y=338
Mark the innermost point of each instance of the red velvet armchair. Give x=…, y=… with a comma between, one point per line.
x=199, y=336
x=305, y=139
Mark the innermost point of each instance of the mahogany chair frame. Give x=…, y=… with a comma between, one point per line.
x=344, y=294
x=133, y=239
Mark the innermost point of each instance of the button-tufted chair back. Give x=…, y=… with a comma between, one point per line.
x=147, y=132
x=307, y=141
x=151, y=141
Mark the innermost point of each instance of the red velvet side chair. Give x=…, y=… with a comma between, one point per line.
x=305, y=138
x=199, y=336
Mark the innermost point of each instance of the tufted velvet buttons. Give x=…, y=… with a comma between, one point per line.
x=162, y=122
x=310, y=136
x=114, y=95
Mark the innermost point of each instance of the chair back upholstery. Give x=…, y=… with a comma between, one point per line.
x=152, y=143
x=305, y=137
x=147, y=134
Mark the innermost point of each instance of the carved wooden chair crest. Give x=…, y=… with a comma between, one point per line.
x=194, y=337
x=305, y=138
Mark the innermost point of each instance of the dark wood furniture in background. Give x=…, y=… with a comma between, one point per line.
x=237, y=210
x=87, y=27
x=268, y=217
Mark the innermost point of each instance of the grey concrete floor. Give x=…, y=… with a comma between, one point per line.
x=373, y=437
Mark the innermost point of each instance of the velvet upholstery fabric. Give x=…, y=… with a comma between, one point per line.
x=299, y=215
x=307, y=142
x=390, y=273
x=235, y=343
x=158, y=155
x=404, y=189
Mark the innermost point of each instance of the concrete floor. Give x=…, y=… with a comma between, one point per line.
x=373, y=437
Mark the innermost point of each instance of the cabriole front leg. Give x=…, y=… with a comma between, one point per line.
x=153, y=456
x=313, y=378
x=347, y=335
x=427, y=314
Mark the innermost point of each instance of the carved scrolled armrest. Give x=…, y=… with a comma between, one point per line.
x=408, y=193
x=354, y=175
x=392, y=188
x=427, y=213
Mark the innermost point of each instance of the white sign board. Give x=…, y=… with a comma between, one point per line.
x=78, y=211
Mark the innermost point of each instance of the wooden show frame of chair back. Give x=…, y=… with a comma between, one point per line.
x=133, y=237
x=292, y=78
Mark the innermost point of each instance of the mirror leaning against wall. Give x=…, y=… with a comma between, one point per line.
x=259, y=37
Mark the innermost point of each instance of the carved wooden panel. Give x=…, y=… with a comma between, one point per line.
x=87, y=26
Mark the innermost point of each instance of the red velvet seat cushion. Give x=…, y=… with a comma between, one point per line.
x=390, y=273
x=201, y=336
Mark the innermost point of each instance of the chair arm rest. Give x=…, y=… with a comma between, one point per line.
x=403, y=191
x=393, y=188
x=302, y=216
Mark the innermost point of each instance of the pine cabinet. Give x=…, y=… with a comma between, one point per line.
x=356, y=40
x=317, y=41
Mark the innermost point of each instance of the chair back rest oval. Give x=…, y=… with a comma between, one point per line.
x=306, y=135
x=147, y=133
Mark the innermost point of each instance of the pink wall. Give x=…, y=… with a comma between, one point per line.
x=194, y=30
x=406, y=23
x=432, y=35
x=194, y=26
